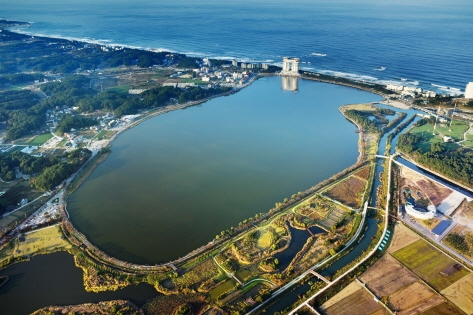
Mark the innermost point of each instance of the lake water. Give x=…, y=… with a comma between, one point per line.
x=175, y=181
x=55, y=280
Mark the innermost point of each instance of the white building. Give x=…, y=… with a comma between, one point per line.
x=469, y=90
x=426, y=215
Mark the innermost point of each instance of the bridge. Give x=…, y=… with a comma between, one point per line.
x=318, y=275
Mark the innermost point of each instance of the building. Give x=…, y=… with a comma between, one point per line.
x=469, y=90
x=290, y=66
x=419, y=214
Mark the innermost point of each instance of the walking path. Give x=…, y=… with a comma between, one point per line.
x=388, y=199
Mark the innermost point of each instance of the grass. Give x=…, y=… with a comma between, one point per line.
x=198, y=82
x=39, y=140
x=427, y=262
x=267, y=236
x=40, y=241
x=222, y=289
x=426, y=133
x=120, y=89
x=62, y=143
x=103, y=134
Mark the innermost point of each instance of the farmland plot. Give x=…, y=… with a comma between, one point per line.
x=402, y=237
x=353, y=300
x=461, y=293
x=414, y=299
x=430, y=264
x=387, y=276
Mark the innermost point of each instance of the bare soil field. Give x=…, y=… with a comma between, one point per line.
x=444, y=308
x=364, y=173
x=414, y=299
x=434, y=191
x=465, y=210
x=348, y=191
x=357, y=302
x=403, y=236
x=461, y=293
x=387, y=276
x=347, y=291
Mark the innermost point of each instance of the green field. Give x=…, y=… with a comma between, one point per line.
x=40, y=241
x=428, y=263
x=428, y=138
x=221, y=289
x=267, y=236
x=120, y=89
x=39, y=140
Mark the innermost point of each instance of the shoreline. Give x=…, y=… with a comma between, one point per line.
x=169, y=108
x=110, y=44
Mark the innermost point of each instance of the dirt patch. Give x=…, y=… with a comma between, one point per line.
x=435, y=192
x=461, y=294
x=465, y=210
x=347, y=291
x=444, y=308
x=387, y=276
x=359, y=302
x=414, y=299
x=403, y=236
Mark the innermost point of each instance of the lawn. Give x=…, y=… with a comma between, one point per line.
x=430, y=264
x=120, y=88
x=428, y=138
x=39, y=140
x=268, y=235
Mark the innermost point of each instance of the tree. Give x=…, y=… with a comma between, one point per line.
x=437, y=147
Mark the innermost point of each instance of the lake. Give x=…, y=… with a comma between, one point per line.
x=175, y=181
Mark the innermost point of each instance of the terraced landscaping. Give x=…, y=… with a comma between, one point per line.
x=335, y=216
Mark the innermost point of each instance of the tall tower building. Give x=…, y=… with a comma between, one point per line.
x=469, y=90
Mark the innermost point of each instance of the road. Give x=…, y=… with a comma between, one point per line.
x=304, y=274
x=436, y=239
x=375, y=249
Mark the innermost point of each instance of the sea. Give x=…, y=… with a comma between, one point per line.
x=424, y=43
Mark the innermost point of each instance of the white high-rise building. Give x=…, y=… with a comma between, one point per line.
x=469, y=90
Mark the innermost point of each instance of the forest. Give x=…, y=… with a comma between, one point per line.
x=457, y=164
x=363, y=118
x=42, y=167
